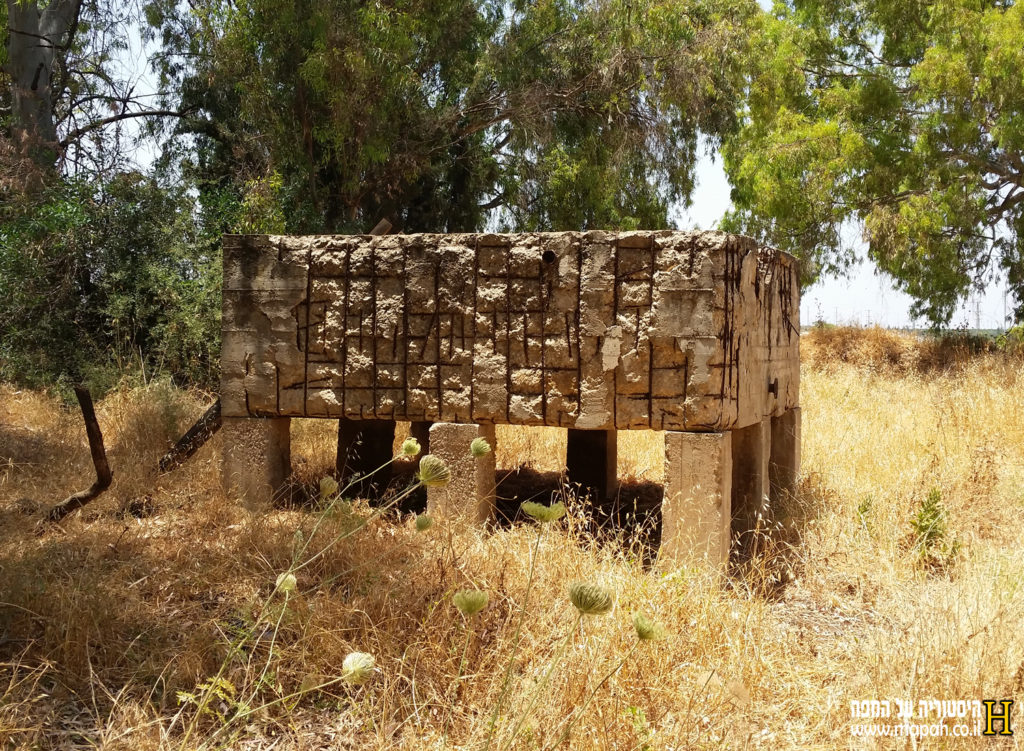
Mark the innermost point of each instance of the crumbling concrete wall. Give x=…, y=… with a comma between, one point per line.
x=694, y=331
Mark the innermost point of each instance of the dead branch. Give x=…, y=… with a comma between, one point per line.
x=193, y=439
x=99, y=459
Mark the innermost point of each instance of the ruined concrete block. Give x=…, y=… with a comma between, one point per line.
x=595, y=330
x=693, y=333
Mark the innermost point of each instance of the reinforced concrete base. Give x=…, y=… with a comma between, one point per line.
x=784, y=464
x=469, y=497
x=256, y=459
x=696, y=509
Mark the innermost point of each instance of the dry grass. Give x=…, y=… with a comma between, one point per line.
x=103, y=623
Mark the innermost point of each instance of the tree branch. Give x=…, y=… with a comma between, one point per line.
x=97, y=124
x=494, y=203
x=99, y=459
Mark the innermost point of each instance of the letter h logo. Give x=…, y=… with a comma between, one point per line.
x=991, y=715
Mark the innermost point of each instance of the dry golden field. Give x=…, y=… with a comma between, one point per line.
x=899, y=575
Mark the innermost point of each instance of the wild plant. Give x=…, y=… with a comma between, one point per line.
x=358, y=667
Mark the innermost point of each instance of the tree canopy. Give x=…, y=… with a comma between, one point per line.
x=447, y=115
x=903, y=119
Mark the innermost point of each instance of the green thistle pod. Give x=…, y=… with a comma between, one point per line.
x=479, y=447
x=470, y=601
x=646, y=630
x=434, y=473
x=410, y=447
x=286, y=582
x=328, y=487
x=543, y=513
x=358, y=668
x=424, y=522
x=590, y=599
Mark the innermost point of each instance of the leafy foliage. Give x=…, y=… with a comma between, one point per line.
x=930, y=528
x=902, y=118
x=94, y=281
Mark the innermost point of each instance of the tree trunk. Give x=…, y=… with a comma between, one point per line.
x=36, y=40
x=99, y=460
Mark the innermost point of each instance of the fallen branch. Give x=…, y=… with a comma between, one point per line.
x=193, y=440
x=99, y=460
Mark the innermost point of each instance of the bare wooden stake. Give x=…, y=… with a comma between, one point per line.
x=99, y=459
x=193, y=439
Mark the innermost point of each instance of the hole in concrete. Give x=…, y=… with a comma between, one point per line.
x=548, y=256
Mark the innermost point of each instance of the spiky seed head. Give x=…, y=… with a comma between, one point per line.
x=543, y=513
x=590, y=599
x=646, y=629
x=424, y=522
x=479, y=447
x=434, y=473
x=328, y=487
x=286, y=582
x=410, y=447
x=358, y=667
x=470, y=601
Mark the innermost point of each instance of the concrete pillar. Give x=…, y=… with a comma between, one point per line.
x=469, y=497
x=365, y=446
x=257, y=458
x=696, y=509
x=784, y=464
x=751, y=513
x=590, y=460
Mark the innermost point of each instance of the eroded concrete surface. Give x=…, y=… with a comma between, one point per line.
x=694, y=331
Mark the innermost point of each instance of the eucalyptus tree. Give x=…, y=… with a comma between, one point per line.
x=455, y=114
x=67, y=83
x=903, y=119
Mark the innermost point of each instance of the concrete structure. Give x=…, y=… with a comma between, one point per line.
x=692, y=333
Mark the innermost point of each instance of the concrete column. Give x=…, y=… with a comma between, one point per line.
x=590, y=460
x=751, y=513
x=696, y=510
x=364, y=446
x=784, y=464
x=257, y=458
x=469, y=497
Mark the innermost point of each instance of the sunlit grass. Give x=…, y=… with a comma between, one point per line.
x=107, y=622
